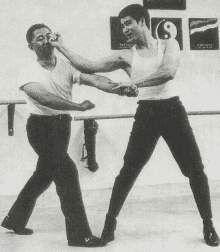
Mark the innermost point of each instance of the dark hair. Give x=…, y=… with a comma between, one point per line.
x=32, y=29
x=137, y=12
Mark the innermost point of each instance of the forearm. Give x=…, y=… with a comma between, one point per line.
x=58, y=103
x=52, y=101
x=99, y=82
x=81, y=63
x=161, y=76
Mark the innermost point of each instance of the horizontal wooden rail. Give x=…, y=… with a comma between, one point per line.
x=12, y=102
x=80, y=118
x=11, y=111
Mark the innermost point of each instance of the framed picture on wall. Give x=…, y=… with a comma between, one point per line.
x=118, y=39
x=203, y=33
x=165, y=4
x=164, y=28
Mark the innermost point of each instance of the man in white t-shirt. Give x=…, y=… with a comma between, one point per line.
x=47, y=84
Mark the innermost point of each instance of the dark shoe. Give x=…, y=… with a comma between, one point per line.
x=8, y=225
x=211, y=237
x=25, y=231
x=109, y=229
x=90, y=241
x=108, y=237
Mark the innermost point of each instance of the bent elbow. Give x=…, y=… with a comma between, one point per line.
x=171, y=74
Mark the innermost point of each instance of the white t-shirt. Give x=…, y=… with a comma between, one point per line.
x=59, y=81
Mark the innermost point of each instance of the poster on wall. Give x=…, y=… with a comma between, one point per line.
x=203, y=33
x=165, y=4
x=165, y=28
x=118, y=39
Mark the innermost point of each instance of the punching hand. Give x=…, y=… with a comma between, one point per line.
x=126, y=88
x=86, y=105
x=131, y=91
x=55, y=39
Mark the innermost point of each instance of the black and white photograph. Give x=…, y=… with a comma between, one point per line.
x=109, y=126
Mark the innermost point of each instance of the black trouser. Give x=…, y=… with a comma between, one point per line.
x=166, y=118
x=49, y=136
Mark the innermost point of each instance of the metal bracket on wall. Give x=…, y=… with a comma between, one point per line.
x=11, y=112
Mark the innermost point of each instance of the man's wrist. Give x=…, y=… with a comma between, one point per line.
x=59, y=47
x=121, y=91
x=76, y=106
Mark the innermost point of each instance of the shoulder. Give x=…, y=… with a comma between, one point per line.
x=171, y=43
x=65, y=63
x=30, y=73
x=170, y=46
x=125, y=54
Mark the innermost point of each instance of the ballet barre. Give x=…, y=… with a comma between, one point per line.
x=121, y=116
x=12, y=103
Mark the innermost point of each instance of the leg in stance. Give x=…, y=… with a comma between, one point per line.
x=142, y=142
x=181, y=141
x=22, y=209
x=68, y=189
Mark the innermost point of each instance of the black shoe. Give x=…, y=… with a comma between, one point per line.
x=90, y=241
x=108, y=237
x=109, y=229
x=25, y=231
x=8, y=225
x=211, y=237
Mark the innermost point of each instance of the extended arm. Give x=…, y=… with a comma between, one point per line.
x=107, y=64
x=167, y=69
x=106, y=85
x=99, y=82
x=37, y=92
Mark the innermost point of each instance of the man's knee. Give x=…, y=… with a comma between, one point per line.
x=128, y=174
x=198, y=176
x=192, y=169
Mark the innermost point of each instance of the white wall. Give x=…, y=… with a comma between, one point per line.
x=85, y=28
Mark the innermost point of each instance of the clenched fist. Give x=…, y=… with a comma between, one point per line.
x=86, y=105
x=131, y=91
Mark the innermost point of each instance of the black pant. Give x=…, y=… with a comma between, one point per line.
x=166, y=118
x=49, y=136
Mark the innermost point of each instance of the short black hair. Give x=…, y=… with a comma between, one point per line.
x=137, y=12
x=32, y=29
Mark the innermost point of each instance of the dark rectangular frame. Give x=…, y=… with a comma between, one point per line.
x=206, y=36
x=118, y=39
x=176, y=21
x=165, y=4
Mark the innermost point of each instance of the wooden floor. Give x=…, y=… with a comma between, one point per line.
x=167, y=223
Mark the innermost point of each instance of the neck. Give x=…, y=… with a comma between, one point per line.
x=147, y=41
x=48, y=62
x=46, y=58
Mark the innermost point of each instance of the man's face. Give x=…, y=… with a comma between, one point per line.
x=131, y=28
x=40, y=42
